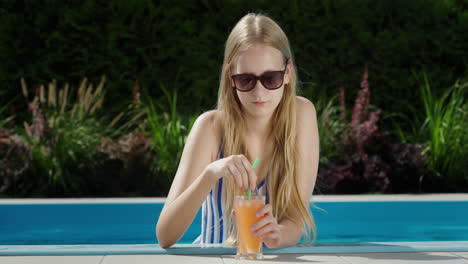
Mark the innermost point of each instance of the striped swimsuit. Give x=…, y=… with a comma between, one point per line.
x=212, y=229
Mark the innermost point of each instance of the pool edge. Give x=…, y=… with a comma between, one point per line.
x=190, y=249
x=315, y=198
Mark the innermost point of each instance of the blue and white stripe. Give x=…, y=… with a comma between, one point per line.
x=212, y=227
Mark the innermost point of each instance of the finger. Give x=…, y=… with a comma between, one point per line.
x=266, y=230
x=233, y=212
x=251, y=173
x=236, y=175
x=272, y=235
x=243, y=171
x=263, y=222
x=264, y=210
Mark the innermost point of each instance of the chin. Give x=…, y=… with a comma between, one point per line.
x=259, y=113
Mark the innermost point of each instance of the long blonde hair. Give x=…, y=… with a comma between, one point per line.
x=284, y=191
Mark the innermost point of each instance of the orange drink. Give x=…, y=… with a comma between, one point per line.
x=248, y=246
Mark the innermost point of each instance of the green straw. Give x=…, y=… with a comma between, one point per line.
x=253, y=167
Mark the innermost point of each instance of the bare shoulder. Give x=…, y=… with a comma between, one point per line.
x=209, y=124
x=200, y=150
x=305, y=110
x=309, y=145
x=209, y=119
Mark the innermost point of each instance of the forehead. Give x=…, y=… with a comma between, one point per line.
x=259, y=59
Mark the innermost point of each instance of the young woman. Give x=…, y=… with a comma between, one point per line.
x=260, y=116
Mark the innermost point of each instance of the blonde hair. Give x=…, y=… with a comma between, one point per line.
x=284, y=191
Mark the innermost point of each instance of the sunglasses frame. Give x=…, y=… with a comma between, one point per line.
x=259, y=78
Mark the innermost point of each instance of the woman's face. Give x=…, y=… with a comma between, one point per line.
x=258, y=59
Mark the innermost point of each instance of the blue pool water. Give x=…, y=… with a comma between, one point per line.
x=134, y=223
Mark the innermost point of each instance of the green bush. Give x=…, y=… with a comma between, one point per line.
x=176, y=57
x=71, y=164
x=168, y=133
x=3, y=118
x=330, y=127
x=442, y=128
x=154, y=42
x=70, y=148
x=363, y=159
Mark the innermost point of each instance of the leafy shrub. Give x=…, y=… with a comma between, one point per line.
x=156, y=41
x=441, y=129
x=69, y=146
x=329, y=128
x=168, y=133
x=15, y=155
x=365, y=162
x=447, y=126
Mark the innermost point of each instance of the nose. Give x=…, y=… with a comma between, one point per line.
x=259, y=88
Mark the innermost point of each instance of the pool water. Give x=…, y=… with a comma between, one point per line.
x=134, y=223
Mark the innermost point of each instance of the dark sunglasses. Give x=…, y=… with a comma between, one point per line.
x=271, y=80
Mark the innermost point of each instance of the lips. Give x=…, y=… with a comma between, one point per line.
x=259, y=103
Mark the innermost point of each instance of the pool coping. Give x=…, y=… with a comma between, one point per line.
x=216, y=249
x=315, y=198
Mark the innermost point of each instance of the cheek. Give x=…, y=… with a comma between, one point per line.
x=244, y=99
x=242, y=96
x=278, y=95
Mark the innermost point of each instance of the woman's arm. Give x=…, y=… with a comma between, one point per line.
x=291, y=233
x=192, y=182
x=308, y=142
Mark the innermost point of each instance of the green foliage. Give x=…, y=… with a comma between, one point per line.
x=63, y=137
x=3, y=119
x=69, y=148
x=153, y=42
x=176, y=57
x=442, y=127
x=71, y=164
x=447, y=122
x=169, y=131
x=364, y=160
x=330, y=127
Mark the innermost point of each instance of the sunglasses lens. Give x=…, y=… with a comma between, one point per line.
x=244, y=82
x=272, y=80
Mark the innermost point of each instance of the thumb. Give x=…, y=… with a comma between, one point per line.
x=233, y=212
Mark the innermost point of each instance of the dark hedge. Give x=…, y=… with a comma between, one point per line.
x=180, y=44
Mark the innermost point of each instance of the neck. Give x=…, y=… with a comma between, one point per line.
x=258, y=128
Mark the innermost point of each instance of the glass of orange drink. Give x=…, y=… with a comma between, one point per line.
x=248, y=246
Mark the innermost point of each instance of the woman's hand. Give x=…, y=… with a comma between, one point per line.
x=237, y=168
x=268, y=227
